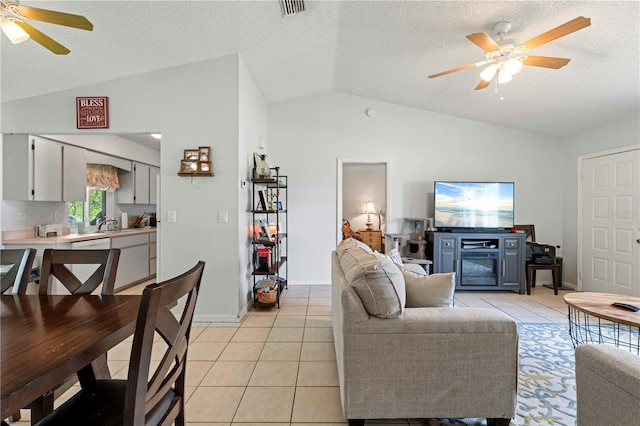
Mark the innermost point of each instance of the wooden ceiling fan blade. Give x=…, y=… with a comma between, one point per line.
x=464, y=67
x=567, y=28
x=484, y=41
x=546, y=62
x=482, y=84
x=43, y=39
x=58, y=18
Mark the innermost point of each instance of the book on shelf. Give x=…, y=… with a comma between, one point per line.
x=263, y=199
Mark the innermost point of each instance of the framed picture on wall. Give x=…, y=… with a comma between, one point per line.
x=205, y=153
x=188, y=166
x=191, y=154
x=205, y=166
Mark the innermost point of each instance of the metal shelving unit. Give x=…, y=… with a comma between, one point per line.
x=269, y=213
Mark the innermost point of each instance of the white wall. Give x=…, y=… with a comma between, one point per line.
x=307, y=135
x=623, y=134
x=252, y=128
x=192, y=105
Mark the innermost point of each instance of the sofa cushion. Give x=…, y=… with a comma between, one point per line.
x=380, y=286
x=344, y=245
x=354, y=257
x=428, y=290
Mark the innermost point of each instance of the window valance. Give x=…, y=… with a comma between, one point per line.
x=103, y=177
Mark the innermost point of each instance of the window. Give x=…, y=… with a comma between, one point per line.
x=97, y=206
x=92, y=211
x=75, y=212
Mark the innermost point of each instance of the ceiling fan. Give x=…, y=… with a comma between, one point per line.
x=12, y=21
x=506, y=58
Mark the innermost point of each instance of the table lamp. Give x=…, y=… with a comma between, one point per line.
x=369, y=209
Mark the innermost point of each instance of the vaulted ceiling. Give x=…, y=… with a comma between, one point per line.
x=382, y=50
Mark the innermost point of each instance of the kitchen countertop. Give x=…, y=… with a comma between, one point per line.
x=72, y=238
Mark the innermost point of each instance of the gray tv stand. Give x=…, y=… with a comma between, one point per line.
x=481, y=261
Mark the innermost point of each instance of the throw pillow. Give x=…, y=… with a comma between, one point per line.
x=413, y=267
x=354, y=258
x=434, y=290
x=380, y=286
x=395, y=257
x=344, y=245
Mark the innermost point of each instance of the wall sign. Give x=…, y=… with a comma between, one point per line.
x=92, y=112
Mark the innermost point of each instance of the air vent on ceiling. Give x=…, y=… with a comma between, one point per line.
x=291, y=7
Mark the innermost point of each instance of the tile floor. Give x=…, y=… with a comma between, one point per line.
x=278, y=366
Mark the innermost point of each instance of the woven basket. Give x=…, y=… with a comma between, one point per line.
x=269, y=297
x=265, y=283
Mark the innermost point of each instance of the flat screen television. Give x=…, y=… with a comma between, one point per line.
x=473, y=206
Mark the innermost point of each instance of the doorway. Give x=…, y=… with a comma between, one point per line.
x=609, y=214
x=362, y=181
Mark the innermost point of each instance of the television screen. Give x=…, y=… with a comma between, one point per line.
x=484, y=205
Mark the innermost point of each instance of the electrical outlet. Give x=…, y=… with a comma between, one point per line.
x=22, y=217
x=223, y=216
x=171, y=216
x=56, y=216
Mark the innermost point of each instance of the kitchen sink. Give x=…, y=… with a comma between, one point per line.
x=115, y=231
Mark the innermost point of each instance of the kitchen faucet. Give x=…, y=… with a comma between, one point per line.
x=109, y=222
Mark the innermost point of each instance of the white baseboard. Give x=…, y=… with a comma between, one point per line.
x=308, y=282
x=564, y=285
x=218, y=318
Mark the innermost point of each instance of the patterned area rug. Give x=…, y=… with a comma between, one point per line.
x=546, y=379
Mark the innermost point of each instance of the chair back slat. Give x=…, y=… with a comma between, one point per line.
x=17, y=277
x=55, y=264
x=155, y=316
x=529, y=232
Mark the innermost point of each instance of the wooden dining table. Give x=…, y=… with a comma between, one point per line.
x=45, y=339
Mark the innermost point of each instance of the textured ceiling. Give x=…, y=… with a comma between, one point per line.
x=377, y=49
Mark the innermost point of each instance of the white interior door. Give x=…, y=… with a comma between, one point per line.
x=610, y=223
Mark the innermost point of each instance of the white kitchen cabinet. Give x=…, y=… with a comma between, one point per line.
x=47, y=170
x=74, y=173
x=134, y=258
x=153, y=184
x=134, y=185
x=35, y=168
x=153, y=249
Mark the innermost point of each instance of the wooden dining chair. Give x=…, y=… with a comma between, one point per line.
x=56, y=262
x=17, y=277
x=148, y=396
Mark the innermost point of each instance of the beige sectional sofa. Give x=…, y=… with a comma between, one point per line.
x=428, y=362
x=607, y=386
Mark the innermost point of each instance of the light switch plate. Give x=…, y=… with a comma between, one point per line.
x=171, y=216
x=223, y=216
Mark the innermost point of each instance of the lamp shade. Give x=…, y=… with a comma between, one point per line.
x=504, y=76
x=513, y=66
x=369, y=208
x=13, y=32
x=488, y=73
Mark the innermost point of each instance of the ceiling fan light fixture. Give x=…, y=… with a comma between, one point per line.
x=13, y=32
x=504, y=76
x=488, y=73
x=513, y=66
